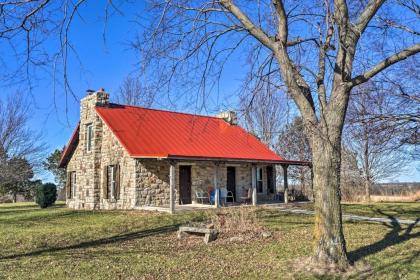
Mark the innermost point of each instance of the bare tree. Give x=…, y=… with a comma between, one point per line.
x=35, y=35
x=17, y=140
x=376, y=140
x=131, y=92
x=351, y=183
x=293, y=144
x=15, y=178
x=263, y=112
x=317, y=50
x=399, y=106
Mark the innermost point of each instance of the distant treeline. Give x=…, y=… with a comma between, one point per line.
x=395, y=188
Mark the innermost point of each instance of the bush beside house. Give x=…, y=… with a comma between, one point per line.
x=46, y=195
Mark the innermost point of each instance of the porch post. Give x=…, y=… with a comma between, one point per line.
x=172, y=183
x=254, y=185
x=216, y=187
x=286, y=186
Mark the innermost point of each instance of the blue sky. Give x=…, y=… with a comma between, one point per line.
x=105, y=64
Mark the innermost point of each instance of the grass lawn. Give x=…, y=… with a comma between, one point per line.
x=59, y=243
x=401, y=210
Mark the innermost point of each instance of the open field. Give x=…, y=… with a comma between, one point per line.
x=394, y=198
x=59, y=243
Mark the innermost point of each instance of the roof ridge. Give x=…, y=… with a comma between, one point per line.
x=167, y=111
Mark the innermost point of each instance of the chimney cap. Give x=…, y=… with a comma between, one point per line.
x=229, y=116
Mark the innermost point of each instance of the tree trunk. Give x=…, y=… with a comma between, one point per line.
x=329, y=239
x=367, y=190
x=302, y=181
x=366, y=166
x=14, y=197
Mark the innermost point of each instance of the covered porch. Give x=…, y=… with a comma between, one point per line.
x=227, y=183
x=199, y=206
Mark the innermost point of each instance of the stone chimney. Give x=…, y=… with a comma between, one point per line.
x=90, y=101
x=90, y=135
x=229, y=116
x=97, y=98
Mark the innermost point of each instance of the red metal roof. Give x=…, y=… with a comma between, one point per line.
x=157, y=133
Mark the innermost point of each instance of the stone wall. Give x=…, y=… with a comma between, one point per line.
x=89, y=165
x=113, y=153
x=86, y=163
x=152, y=183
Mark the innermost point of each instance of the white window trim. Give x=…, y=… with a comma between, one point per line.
x=111, y=181
x=73, y=184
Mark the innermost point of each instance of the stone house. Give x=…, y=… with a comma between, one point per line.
x=127, y=157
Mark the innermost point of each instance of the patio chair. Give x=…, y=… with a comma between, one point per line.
x=230, y=195
x=247, y=197
x=202, y=196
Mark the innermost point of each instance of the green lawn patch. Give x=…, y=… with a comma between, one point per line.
x=399, y=210
x=59, y=243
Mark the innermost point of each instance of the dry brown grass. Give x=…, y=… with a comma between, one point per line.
x=242, y=222
x=396, y=198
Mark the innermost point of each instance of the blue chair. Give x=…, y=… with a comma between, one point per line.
x=212, y=197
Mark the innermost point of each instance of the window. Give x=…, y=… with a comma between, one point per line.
x=72, y=184
x=259, y=179
x=89, y=137
x=111, y=186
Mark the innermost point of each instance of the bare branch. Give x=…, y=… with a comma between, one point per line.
x=404, y=54
x=300, y=41
x=257, y=32
x=367, y=14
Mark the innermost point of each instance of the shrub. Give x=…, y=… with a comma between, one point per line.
x=46, y=195
x=236, y=221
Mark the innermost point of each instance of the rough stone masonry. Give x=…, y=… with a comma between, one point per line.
x=142, y=182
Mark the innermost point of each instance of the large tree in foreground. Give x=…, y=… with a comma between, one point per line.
x=317, y=50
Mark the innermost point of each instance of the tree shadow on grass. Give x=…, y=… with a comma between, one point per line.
x=393, y=237
x=103, y=241
x=407, y=212
x=41, y=217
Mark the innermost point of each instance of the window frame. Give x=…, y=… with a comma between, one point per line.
x=111, y=181
x=88, y=137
